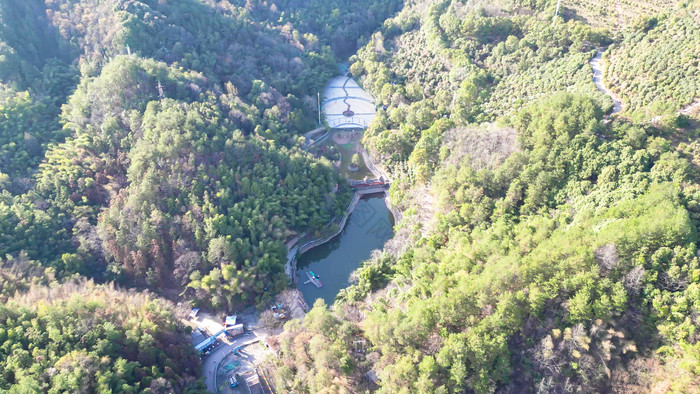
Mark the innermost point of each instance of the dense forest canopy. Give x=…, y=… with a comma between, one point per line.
x=547, y=243
x=82, y=337
x=173, y=161
x=344, y=25
x=158, y=145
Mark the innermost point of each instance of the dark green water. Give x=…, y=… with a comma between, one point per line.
x=369, y=226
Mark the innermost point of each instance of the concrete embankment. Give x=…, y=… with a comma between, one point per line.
x=378, y=172
x=294, y=250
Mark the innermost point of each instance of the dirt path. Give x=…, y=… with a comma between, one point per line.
x=618, y=9
x=690, y=108
x=599, y=82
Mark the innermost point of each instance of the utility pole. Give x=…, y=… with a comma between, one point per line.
x=160, y=90
x=557, y=11
x=318, y=100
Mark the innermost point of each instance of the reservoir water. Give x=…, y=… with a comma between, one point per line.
x=369, y=226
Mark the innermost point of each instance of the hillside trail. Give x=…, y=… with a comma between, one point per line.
x=618, y=9
x=690, y=108
x=595, y=63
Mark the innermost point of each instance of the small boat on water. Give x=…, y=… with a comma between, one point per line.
x=313, y=278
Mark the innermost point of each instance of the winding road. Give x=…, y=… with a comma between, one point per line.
x=211, y=362
x=617, y=104
x=600, y=84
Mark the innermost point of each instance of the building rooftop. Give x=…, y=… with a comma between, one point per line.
x=230, y=321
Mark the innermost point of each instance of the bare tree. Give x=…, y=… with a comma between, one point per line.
x=546, y=357
x=486, y=145
x=672, y=282
x=288, y=297
x=633, y=279
x=606, y=257
x=267, y=319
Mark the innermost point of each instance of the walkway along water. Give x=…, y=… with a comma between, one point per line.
x=368, y=227
x=380, y=173
x=295, y=250
x=334, y=92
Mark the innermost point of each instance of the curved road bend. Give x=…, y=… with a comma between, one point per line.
x=598, y=80
x=617, y=105
x=212, y=361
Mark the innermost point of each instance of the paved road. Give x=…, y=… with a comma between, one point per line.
x=598, y=81
x=311, y=133
x=291, y=255
x=212, y=361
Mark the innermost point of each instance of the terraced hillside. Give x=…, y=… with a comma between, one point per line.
x=656, y=68
x=547, y=244
x=614, y=14
x=468, y=64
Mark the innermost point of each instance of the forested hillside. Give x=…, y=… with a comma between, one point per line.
x=162, y=147
x=156, y=145
x=546, y=245
x=81, y=337
x=344, y=25
x=656, y=67
x=36, y=76
x=468, y=65
x=614, y=15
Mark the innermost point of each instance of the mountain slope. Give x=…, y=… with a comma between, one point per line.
x=546, y=245
x=89, y=338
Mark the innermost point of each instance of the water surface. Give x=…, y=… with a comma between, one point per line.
x=368, y=228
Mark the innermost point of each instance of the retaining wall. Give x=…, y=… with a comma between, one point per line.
x=297, y=250
x=377, y=173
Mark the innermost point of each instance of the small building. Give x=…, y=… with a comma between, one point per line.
x=197, y=337
x=372, y=376
x=234, y=330
x=230, y=321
